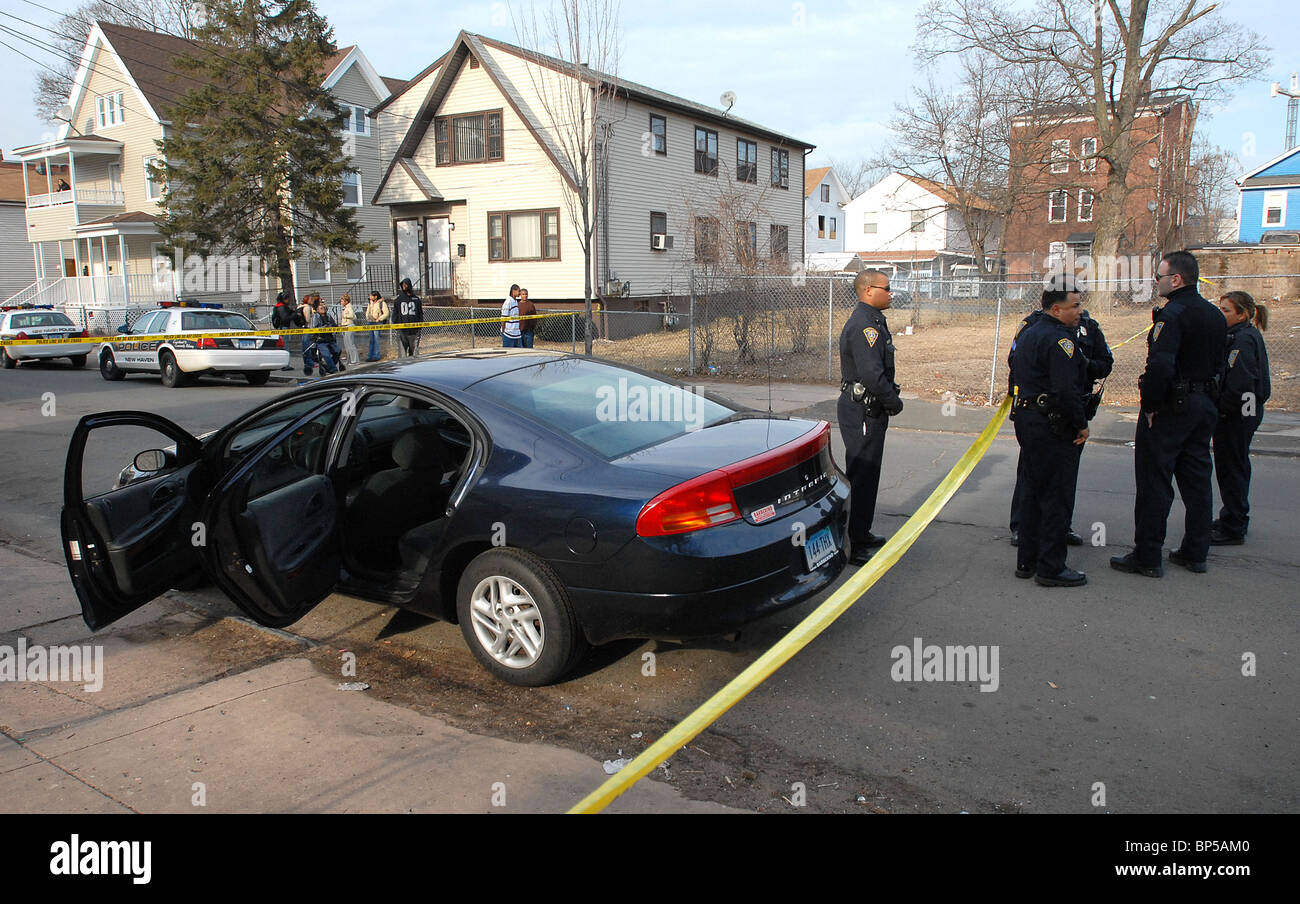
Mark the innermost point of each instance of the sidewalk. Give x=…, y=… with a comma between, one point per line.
x=193, y=704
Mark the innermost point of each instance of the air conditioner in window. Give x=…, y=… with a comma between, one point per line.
x=661, y=242
x=1056, y=247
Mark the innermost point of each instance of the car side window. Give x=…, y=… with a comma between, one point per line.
x=145, y=325
x=251, y=435
x=300, y=454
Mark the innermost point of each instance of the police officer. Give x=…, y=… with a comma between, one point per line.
x=1246, y=387
x=868, y=397
x=1178, y=391
x=1091, y=342
x=1050, y=375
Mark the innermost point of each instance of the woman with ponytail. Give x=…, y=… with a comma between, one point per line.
x=1246, y=388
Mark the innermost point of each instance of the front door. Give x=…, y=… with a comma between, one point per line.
x=407, y=240
x=438, y=250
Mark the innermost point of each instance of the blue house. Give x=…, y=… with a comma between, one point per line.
x=1270, y=198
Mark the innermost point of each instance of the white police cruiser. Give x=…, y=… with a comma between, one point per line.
x=41, y=322
x=179, y=360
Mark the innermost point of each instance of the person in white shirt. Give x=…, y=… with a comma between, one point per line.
x=510, y=337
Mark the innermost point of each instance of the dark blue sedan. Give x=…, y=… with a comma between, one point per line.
x=543, y=501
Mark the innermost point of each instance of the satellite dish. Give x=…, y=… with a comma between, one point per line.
x=64, y=113
x=1153, y=162
x=1151, y=206
x=728, y=101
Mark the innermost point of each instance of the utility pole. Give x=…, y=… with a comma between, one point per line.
x=1294, y=94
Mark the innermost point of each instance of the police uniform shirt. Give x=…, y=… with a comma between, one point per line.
x=1030, y=319
x=1247, y=371
x=1047, y=360
x=1187, y=340
x=1092, y=342
x=867, y=352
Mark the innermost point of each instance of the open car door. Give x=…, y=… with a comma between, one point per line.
x=127, y=546
x=273, y=526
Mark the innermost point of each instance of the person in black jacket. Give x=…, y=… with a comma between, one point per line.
x=407, y=308
x=1051, y=374
x=282, y=313
x=1178, y=390
x=868, y=397
x=1246, y=387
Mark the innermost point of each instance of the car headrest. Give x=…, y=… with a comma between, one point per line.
x=421, y=449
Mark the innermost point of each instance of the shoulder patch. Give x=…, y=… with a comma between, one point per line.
x=1155, y=330
x=1083, y=330
x=1066, y=346
x=1232, y=356
x=872, y=335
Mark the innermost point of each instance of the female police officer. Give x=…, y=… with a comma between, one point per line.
x=1246, y=388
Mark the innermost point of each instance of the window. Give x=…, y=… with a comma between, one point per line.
x=868, y=224
x=110, y=110
x=658, y=134
x=658, y=226
x=706, y=239
x=1056, y=206
x=826, y=194
x=746, y=241
x=1088, y=155
x=1085, y=206
x=356, y=269
x=473, y=138
x=354, y=120
x=351, y=190
x=780, y=242
x=152, y=189
x=780, y=168
x=832, y=227
x=1061, y=155
x=1274, y=208
x=706, y=151
x=746, y=161
x=524, y=235
x=318, y=270
x=918, y=221
x=821, y=226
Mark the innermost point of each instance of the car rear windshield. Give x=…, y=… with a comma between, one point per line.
x=611, y=410
x=214, y=320
x=43, y=318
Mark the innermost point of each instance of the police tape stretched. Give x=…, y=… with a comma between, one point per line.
x=803, y=633
x=309, y=331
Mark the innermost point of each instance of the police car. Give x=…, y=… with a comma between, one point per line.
x=179, y=360
x=41, y=323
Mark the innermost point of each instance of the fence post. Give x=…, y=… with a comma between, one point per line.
x=830, y=328
x=690, y=351
x=997, y=334
x=573, y=332
x=471, y=326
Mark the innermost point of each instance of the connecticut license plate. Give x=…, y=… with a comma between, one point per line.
x=245, y=343
x=819, y=548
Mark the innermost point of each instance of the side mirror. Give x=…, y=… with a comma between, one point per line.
x=151, y=460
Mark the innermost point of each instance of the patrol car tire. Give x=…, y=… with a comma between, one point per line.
x=172, y=375
x=257, y=377
x=108, y=368
x=10, y=363
x=78, y=360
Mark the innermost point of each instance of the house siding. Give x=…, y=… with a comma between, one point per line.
x=815, y=208
x=1252, y=227
x=17, y=266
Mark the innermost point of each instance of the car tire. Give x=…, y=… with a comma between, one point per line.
x=78, y=360
x=172, y=375
x=496, y=589
x=257, y=377
x=10, y=363
x=108, y=368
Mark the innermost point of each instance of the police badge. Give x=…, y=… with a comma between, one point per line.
x=872, y=335
x=1232, y=356
x=1155, y=331
x=1066, y=346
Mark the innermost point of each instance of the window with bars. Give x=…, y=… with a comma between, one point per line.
x=524, y=235
x=471, y=138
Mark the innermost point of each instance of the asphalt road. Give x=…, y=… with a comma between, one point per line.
x=1133, y=683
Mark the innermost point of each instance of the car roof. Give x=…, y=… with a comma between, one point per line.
x=461, y=369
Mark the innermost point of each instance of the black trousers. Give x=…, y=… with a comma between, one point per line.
x=864, y=447
x=1175, y=447
x=1232, y=469
x=1051, y=470
x=410, y=340
x=1017, y=495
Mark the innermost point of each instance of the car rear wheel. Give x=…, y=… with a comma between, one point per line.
x=172, y=375
x=257, y=377
x=517, y=619
x=78, y=360
x=10, y=363
x=108, y=368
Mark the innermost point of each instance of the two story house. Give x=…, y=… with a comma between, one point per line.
x=824, y=201
x=91, y=207
x=475, y=173
x=1268, y=208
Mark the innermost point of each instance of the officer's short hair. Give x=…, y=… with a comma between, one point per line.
x=863, y=279
x=1184, y=264
x=1056, y=288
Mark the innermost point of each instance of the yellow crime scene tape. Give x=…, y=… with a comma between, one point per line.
x=803, y=633
x=308, y=331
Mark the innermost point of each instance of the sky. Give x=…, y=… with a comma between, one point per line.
x=825, y=71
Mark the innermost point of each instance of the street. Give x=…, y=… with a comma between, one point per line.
x=1140, y=687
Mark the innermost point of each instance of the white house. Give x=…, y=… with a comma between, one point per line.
x=475, y=173
x=824, y=201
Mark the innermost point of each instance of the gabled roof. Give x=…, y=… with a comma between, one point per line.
x=405, y=86
x=813, y=178
x=1274, y=162
x=394, y=85
x=948, y=193
x=348, y=58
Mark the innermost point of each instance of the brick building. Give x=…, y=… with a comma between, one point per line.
x=1065, y=178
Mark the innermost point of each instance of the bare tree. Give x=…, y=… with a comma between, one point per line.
x=1211, y=194
x=575, y=86
x=858, y=175
x=1112, y=56
x=54, y=84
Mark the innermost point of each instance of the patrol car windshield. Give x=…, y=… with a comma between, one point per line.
x=214, y=320
x=44, y=318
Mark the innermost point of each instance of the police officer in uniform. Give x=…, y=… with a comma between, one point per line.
x=868, y=397
x=1246, y=387
x=1051, y=422
x=1179, y=391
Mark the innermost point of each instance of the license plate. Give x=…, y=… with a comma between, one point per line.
x=245, y=343
x=819, y=548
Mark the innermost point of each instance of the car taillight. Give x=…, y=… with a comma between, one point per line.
x=207, y=343
x=279, y=342
x=21, y=336
x=709, y=500
x=84, y=334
